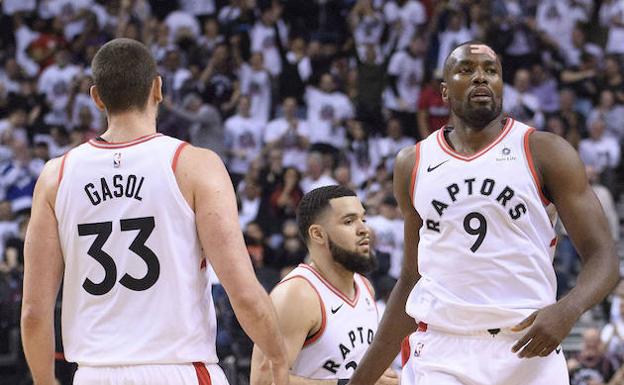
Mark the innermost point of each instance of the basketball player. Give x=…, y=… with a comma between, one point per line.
x=479, y=241
x=326, y=310
x=126, y=220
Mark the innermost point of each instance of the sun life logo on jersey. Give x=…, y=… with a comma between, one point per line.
x=117, y=160
x=506, y=155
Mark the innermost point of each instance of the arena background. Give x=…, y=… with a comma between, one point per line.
x=296, y=94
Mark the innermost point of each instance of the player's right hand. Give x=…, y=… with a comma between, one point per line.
x=389, y=377
x=280, y=372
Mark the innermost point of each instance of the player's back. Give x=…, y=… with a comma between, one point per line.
x=135, y=289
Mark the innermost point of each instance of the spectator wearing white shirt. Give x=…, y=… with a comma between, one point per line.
x=367, y=23
x=263, y=38
x=455, y=34
x=544, y=87
x=387, y=147
x=612, y=16
x=243, y=140
x=290, y=134
x=181, y=23
x=521, y=103
x=361, y=154
x=327, y=111
x=611, y=113
x=256, y=83
x=580, y=45
x=316, y=174
x=388, y=229
x=408, y=18
x=600, y=151
x=173, y=73
x=557, y=18
x=55, y=82
x=405, y=77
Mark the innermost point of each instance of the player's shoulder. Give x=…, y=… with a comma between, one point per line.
x=297, y=291
x=406, y=158
x=546, y=147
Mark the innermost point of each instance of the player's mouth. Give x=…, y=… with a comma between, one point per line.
x=481, y=94
x=364, y=242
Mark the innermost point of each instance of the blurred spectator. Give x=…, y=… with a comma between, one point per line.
x=580, y=45
x=521, y=103
x=9, y=227
x=612, y=78
x=612, y=16
x=263, y=37
x=316, y=174
x=600, y=151
x=405, y=76
x=249, y=200
x=433, y=112
x=557, y=18
x=388, y=231
x=285, y=198
x=454, y=34
x=611, y=113
x=290, y=134
x=388, y=146
x=361, y=155
x=204, y=122
x=55, y=82
x=263, y=257
x=367, y=23
x=573, y=118
x=590, y=366
x=606, y=200
x=544, y=87
x=583, y=80
x=407, y=17
x=327, y=111
x=243, y=140
x=256, y=84
x=291, y=251
x=218, y=80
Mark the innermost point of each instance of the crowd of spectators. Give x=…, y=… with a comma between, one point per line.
x=297, y=94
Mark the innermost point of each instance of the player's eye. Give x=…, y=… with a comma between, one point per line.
x=348, y=221
x=465, y=70
x=491, y=70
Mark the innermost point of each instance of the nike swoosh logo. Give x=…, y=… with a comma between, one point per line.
x=334, y=311
x=429, y=168
x=558, y=350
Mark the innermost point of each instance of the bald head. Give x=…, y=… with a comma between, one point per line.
x=468, y=48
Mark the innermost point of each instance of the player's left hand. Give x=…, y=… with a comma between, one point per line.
x=547, y=327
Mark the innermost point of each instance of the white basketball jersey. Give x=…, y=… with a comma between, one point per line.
x=135, y=288
x=347, y=329
x=487, y=241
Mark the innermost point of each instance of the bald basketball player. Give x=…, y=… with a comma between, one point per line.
x=127, y=220
x=479, y=198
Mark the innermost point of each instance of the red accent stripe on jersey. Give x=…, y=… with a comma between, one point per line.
x=553, y=242
x=202, y=264
x=129, y=143
x=422, y=327
x=203, y=376
x=174, y=162
x=314, y=337
x=341, y=295
x=59, y=356
x=60, y=174
x=414, y=172
x=449, y=150
x=406, y=351
x=529, y=157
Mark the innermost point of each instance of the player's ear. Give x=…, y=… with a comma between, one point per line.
x=444, y=91
x=96, y=98
x=157, y=89
x=316, y=234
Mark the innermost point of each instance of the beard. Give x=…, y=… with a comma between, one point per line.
x=353, y=261
x=480, y=116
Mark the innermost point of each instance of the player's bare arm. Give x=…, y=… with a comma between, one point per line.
x=565, y=184
x=43, y=271
x=396, y=324
x=211, y=196
x=299, y=316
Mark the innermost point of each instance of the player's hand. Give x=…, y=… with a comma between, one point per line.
x=280, y=372
x=547, y=327
x=389, y=377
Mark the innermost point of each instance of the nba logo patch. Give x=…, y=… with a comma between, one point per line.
x=117, y=160
x=418, y=350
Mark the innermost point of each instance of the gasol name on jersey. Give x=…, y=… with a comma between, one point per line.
x=119, y=186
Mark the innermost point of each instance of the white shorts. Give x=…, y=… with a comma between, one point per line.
x=174, y=374
x=438, y=358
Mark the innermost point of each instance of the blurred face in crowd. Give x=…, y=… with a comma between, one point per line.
x=555, y=125
x=342, y=175
x=349, y=242
x=416, y=46
x=394, y=129
x=327, y=83
x=211, y=28
x=592, y=347
x=567, y=99
x=607, y=99
x=522, y=80
x=244, y=106
x=315, y=165
x=597, y=129
x=473, y=85
x=18, y=118
x=298, y=46
x=578, y=37
x=6, y=214
x=62, y=58
x=290, y=107
x=612, y=66
x=257, y=61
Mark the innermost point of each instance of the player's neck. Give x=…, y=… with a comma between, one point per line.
x=336, y=275
x=127, y=126
x=467, y=140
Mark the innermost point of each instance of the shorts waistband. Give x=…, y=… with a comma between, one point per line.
x=423, y=327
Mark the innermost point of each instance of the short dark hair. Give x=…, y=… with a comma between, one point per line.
x=123, y=72
x=314, y=203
